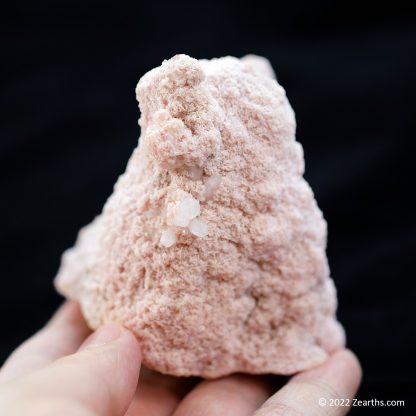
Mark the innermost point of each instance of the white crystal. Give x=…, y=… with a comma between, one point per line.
x=211, y=185
x=198, y=228
x=186, y=210
x=168, y=237
x=195, y=172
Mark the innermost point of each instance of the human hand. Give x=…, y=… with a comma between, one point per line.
x=64, y=370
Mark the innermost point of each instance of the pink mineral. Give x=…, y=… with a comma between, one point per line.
x=211, y=248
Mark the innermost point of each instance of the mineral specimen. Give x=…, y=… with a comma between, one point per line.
x=211, y=248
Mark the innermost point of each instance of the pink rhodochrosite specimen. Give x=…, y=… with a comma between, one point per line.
x=211, y=248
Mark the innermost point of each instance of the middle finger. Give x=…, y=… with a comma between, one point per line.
x=158, y=394
x=238, y=395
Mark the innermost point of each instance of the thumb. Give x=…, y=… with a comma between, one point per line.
x=100, y=379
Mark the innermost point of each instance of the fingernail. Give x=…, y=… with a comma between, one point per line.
x=107, y=333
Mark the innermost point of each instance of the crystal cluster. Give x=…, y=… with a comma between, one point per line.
x=211, y=248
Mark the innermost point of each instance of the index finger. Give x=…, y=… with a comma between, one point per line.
x=61, y=336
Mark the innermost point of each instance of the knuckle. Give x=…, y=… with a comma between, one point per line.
x=326, y=389
x=277, y=408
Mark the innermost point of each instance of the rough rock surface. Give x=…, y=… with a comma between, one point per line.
x=211, y=248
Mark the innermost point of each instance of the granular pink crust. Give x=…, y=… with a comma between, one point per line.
x=253, y=295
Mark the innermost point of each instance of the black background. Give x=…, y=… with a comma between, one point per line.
x=69, y=123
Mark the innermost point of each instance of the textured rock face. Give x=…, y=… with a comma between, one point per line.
x=211, y=248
